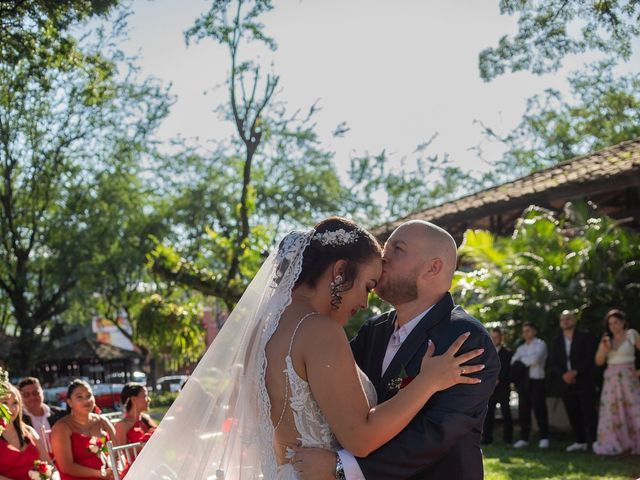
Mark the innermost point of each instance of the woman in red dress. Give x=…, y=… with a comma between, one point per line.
x=136, y=426
x=79, y=439
x=20, y=446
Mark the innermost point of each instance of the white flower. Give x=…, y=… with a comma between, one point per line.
x=34, y=475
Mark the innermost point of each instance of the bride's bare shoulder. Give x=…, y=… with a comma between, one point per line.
x=319, y=329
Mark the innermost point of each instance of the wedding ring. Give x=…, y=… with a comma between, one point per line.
x=462, y=371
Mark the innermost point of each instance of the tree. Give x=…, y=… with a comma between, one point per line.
x=549, y=30
x=578, y=261
x=70, y=127
x=605, y=111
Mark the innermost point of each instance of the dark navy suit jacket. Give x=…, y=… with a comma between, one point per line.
x=443, y=440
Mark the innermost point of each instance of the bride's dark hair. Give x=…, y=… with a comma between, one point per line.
x=319, y=254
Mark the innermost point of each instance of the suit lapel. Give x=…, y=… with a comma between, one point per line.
x=380, y=346
x=412, y=344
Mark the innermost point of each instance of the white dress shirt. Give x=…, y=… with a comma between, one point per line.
x=567, y=349
x=534, y=356
x=37, y=422
x=350, y=465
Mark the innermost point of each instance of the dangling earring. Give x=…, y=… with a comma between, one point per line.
x=334, y=289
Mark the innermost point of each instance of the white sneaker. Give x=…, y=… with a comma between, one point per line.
x=544, y=443
x=521, y=444
x=577, y=447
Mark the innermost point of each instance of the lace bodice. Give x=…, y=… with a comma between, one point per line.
x=313, y=428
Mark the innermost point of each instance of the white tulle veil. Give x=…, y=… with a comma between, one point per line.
x=220, y=424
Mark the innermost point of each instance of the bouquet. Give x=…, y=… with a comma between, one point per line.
x=5, y=414
x=40, y=471
x=98, y=446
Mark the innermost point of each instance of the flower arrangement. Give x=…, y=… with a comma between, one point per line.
x=5, y=414
x=41, y=471
x=98, y=446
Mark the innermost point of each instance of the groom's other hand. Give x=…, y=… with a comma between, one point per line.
x=314, y=463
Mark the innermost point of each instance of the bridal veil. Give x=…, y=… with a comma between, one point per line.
x=220, y=426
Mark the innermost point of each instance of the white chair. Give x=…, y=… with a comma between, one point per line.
x=45, y=438
x=113, y=417
x=122, y=455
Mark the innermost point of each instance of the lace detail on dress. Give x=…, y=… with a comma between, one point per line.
x=289, y=260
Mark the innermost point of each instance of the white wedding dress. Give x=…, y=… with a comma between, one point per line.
x=313, y=429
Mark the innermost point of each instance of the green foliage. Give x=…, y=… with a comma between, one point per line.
x=549, y=30
x=379, y=194
x=73, y=130
x=171, y=329
x=164, y=399
x=605, y=111
x=577, y=261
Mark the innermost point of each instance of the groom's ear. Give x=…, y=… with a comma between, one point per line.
x=433, y=267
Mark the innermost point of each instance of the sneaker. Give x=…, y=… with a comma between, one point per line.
x=577, y=447
x=543, y=443
x=521, y=444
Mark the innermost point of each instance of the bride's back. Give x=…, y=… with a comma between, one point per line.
x=286, y=381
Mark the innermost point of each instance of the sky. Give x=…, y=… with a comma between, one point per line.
x=396, y=71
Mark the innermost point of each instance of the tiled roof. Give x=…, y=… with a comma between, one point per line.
x=622, y=160
x=89, y=349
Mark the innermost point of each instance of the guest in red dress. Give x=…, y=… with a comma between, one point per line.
x=20, y=446
x=79, y=439
x=136, y=426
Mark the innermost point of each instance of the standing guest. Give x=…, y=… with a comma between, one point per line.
x=532, y=393
x=619, y=423
x=572, y=367
x=37, y=413
x=500, y=394
x=19, y=444
x=79, y=439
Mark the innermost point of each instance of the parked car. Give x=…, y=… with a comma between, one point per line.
x=107, y=395
x=171, y=383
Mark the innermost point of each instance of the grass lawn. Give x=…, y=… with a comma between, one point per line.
x=504, y=462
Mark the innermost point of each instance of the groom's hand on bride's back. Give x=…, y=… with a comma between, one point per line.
x=314, y=463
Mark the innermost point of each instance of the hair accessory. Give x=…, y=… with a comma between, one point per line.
x=336, y=237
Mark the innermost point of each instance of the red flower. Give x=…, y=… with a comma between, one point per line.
x=42, y=467
x=406, y=381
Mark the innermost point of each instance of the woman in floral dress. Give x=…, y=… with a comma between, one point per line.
x=619, y=422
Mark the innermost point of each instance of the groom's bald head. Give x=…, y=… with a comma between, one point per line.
x=435, y=244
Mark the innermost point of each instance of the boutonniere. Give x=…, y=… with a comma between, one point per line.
x=400, y=381
x=41, y=471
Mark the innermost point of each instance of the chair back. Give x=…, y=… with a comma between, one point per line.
x=122, y=456
x=113, y=417
x=45, y=436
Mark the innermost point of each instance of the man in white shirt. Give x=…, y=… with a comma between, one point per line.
x=35, y=412
x=532, y=393
x=443, y=440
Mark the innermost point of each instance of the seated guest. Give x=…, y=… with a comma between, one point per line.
x=19, y=443
x=79, y=439
x=136, y=426
x=36, y=412
x=619, y=422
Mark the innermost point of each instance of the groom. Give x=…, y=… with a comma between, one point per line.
x=443, y=440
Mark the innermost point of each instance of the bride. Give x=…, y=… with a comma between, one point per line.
x=281, y=374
